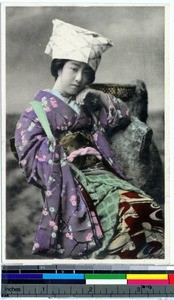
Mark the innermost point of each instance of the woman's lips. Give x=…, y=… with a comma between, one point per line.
x=75, y=85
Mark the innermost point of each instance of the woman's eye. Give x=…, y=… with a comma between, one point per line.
x=74, y=69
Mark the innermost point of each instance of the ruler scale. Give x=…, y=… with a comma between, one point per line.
x=45, y=290
x=25, y=281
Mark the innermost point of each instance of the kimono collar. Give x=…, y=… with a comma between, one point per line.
x=71, y=101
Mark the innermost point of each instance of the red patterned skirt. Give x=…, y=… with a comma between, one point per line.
x=140, y=231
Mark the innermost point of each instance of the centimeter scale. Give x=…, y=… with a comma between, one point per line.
x=46, y=281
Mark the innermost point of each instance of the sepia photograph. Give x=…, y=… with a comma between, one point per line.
x=84, y=116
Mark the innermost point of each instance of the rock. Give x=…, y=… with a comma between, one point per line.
x=139, y=158
x=138, y=102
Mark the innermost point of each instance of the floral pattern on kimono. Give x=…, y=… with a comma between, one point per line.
x=69, y=226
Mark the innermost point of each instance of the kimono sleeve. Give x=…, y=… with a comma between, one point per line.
x=36, y=159
x=120, y=114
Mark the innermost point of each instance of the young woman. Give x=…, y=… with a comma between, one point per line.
x=90, y=210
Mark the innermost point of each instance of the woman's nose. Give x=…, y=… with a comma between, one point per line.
x=79, y=76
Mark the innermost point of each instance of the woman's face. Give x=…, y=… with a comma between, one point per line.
x=73, y=78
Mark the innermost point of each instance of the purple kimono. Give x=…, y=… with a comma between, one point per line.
x=69, y=226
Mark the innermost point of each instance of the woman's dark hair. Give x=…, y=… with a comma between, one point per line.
x=57, y=64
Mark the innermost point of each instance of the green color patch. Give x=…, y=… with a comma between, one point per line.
x=105, y=276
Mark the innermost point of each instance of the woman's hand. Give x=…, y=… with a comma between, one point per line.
x=92, y=98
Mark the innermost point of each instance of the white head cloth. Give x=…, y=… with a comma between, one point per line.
x=75, y=43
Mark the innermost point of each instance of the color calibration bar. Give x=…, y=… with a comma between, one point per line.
x=88, y=279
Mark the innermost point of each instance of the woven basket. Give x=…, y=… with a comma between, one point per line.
x=118, y=90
